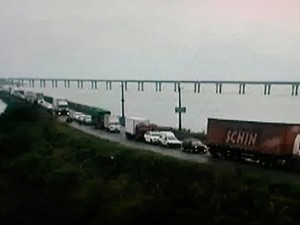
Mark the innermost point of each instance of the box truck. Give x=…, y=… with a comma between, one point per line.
x=135, y=127
x=112, y=123
x=61, y=106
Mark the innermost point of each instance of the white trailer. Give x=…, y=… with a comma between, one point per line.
x=131, y=125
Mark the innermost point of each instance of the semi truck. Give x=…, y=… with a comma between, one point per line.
x=265, y=143
x=112, y=123
x=30, y=96
x=60, y=106
x=135, y=127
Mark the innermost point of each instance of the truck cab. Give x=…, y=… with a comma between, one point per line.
x=61, y=107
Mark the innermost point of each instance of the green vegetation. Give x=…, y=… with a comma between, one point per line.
x=52, y=174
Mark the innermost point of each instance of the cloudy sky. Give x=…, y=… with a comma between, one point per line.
x=151, y=39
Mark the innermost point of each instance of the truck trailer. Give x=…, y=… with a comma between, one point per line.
x=266, y=143
x=135, y=127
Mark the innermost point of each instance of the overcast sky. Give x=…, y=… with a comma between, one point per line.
x=151, y=39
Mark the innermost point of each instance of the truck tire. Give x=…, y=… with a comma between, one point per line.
x=213, y=153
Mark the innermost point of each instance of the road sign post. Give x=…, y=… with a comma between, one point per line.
x=179, y=109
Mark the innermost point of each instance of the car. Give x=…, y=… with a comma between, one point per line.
x=80, y=118
x=168, y=139
x=87, y=119
x=75, y=115
x=194, y=145
x=152, y=137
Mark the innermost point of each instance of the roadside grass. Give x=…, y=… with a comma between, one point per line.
x=53, y=174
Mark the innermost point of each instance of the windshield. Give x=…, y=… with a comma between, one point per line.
x=171, y=138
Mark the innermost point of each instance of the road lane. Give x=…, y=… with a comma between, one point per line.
x=121, y=139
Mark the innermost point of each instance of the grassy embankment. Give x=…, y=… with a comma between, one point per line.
x=52, y=174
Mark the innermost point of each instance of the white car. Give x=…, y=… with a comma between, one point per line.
x=75, y=115
x=168, y=139
x=81, y=118
x=152, y=137
x=87, y=119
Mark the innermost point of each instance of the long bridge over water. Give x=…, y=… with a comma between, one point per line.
x=158, y=84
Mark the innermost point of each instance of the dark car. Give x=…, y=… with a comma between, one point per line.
x=194, y=145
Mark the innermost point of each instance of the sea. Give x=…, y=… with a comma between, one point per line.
x=159, y=107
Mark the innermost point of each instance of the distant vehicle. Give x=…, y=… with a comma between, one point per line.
x=111, y=123
x=19, y=94
x=75, y=115
x=168, y=139
x=87, y=119
x=81, y=118
x=41, y=101
x=265, y=143
x=39, y=97
x=135, y=127
x=61, y=106
x=152, y=137
x=194, y=145
x=30, y=96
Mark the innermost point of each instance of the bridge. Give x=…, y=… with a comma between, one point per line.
x=158, y=84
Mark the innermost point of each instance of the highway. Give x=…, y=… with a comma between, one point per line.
x=120, y=138
x=275, y=175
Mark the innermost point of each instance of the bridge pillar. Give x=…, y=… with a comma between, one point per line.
x=197, y=87
x=108, y=85
x=79, y=84
x=295, y=88
x=176, y=86
x=242, y=88
x=267, y=89
x=218, y=88
x=31, y=83
x=140, y=86
x=158, y=86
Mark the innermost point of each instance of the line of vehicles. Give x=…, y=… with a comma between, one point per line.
x=269, y=144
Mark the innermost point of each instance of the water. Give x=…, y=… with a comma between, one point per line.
x=2, y=106
x=159, y=107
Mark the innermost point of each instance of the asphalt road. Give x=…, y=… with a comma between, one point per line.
x=120, y=138
x=274, y=175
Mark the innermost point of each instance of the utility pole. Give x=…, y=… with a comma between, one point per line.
x=179, y=105
x=179, y=109
x=122, y=104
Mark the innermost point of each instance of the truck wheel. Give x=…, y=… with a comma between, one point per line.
x=213, y=153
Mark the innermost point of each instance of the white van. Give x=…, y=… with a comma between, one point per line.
x=168, y=139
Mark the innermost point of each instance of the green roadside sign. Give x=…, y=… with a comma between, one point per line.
x=180, y=110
